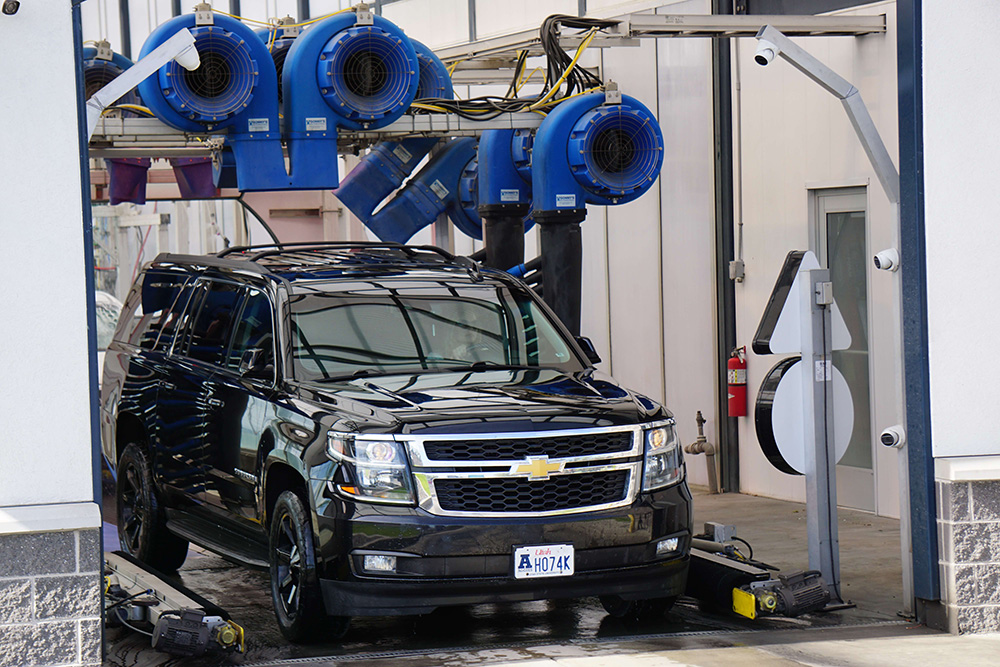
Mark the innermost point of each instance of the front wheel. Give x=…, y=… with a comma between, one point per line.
x=295, y=593
x=142, y=529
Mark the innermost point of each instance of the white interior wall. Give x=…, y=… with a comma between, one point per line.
x=961, y=155
x=45, y=443
x=795, y=136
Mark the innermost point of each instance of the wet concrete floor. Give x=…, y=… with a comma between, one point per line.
x=871, y=578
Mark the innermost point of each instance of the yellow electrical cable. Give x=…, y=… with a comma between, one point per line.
x=129, y=107
x=525, y=80
x=569, y=97
x=428, y=107
x=271, y=22
x=579, y=52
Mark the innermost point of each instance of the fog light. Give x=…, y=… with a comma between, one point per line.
x=380, y=563
x=665, y=546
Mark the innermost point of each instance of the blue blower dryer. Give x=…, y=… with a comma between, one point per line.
x=388, y=164
x=235, y=89
x=354, y=71
x=433, y=191
x=505, y=194
x=586, y=152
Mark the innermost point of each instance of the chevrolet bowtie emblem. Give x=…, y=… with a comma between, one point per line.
x=537, y=467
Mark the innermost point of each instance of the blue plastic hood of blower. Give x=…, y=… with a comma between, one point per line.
x=388, y=164
x=430, y=193
x=589, y=152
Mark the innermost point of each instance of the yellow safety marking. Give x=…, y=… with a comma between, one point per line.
x=744, y=604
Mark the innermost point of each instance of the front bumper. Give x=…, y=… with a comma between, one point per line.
x=445, y=561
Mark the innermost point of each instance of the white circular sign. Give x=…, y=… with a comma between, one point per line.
x=779, y=415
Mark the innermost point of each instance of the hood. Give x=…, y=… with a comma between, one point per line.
x=492, y=400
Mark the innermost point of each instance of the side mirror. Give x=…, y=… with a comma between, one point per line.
x=254, y=367
x=588, y=349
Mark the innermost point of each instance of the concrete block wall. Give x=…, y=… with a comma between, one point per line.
x=50, y=598
x=969, y=543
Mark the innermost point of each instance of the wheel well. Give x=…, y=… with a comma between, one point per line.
x=129, y=429
x=280, y=478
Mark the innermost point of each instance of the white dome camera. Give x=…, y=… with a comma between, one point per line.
x=766, y=51
x=894, y=436
x=887, y=260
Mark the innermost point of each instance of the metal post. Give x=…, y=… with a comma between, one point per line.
x=817, y=398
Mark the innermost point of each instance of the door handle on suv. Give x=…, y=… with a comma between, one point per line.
x=169, y=386
x=214, y=402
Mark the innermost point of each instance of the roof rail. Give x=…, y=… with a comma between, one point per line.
x=275, y=249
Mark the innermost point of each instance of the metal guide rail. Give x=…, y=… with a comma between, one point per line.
x=150, y=137
x=632, y=27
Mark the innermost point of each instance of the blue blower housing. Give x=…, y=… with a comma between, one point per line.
x=98, y=72
x=589, y=152
x=505, y=174
x=235, y=88
x=339, y=73
x=279, y=45
x=465, y=214
x=388, y=164
x=433, y=191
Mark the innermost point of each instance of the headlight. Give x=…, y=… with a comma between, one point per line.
x=375, y=470
x=663, y=465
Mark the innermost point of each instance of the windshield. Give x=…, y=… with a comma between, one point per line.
x=382, y=331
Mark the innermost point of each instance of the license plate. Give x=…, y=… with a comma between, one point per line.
x=543, y=560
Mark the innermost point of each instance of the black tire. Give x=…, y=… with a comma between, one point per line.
x=636, y=610
x=142, y=529
x=298, y=604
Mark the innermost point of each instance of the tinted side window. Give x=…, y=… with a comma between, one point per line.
x=255, y=330
x=148, y=307
x=174, y=318
x=212, y=326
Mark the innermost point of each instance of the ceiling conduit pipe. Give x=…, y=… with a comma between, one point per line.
x=588, y=150
x=387, y=165
x=504, y=194
x=433, y=191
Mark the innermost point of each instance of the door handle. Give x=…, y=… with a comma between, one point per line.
x=169, y=386
x=214, y=402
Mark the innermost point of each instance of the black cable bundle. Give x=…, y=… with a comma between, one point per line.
x=490, y=106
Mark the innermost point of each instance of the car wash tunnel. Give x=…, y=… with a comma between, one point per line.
x=483, y=334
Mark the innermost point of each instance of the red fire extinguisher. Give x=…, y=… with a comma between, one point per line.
x=736, y=371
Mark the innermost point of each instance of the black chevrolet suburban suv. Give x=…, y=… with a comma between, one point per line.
x=388, y=429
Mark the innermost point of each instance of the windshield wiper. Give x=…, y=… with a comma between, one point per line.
x=493, y=365
x=360, y=373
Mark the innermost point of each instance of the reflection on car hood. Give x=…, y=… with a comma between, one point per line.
x=493, y=400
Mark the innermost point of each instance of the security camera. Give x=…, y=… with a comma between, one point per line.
x=887, y=260
x=188, y=58
x=894, y=436
x=10, y=7
x=766, y=51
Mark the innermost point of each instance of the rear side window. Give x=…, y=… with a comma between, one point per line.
x=212, y=326
x=149, y=306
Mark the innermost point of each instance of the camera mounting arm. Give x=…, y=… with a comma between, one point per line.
x=772, y=42
x=180, y=47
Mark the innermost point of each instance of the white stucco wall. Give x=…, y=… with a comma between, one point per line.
x=45, y=443
x=961, y=53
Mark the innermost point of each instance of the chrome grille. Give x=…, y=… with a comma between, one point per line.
x=539, y=473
